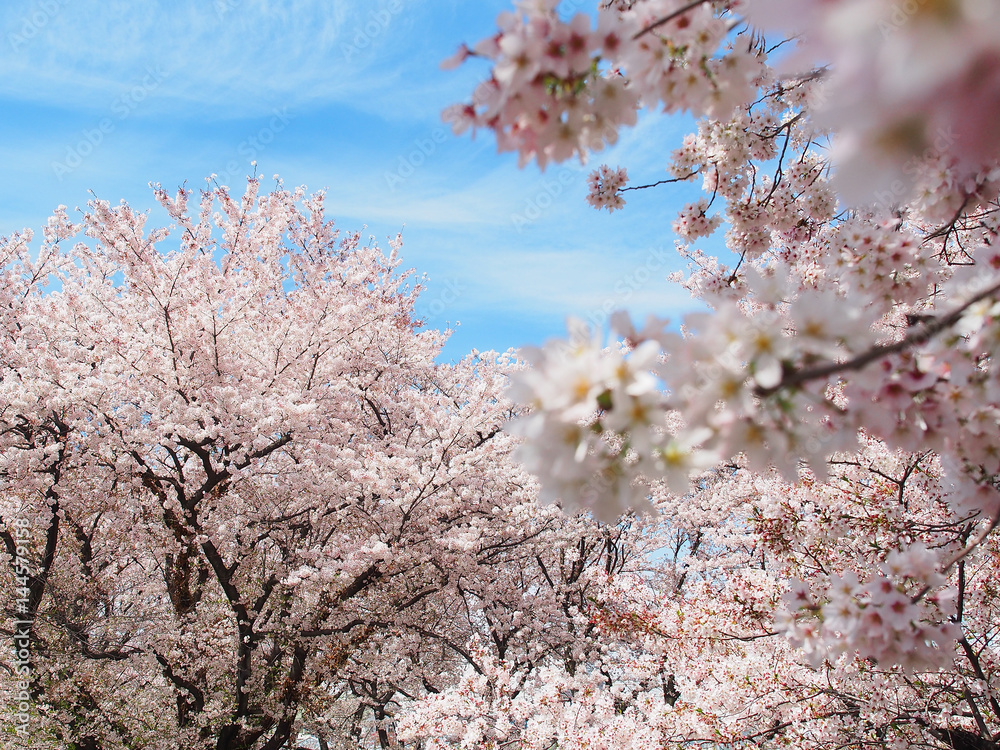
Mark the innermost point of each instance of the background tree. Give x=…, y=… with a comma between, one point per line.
x=688, y=634
x=250, y=492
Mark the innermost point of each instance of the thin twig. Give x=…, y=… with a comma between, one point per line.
x=660, y=182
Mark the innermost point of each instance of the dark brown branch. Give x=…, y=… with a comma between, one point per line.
x=670, y=17
x=918, y=336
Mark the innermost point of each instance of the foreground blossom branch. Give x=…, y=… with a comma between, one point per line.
x=922, y=333
x=856, y=183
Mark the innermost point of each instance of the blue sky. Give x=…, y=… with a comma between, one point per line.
x=109, y=95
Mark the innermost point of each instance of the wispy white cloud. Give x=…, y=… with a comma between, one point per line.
x=225, y=57
x=577, y=282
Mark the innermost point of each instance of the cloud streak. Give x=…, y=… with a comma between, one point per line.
x=227, y=58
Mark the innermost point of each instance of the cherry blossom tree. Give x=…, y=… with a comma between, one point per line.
x=848, y=151
x=243, y=504
x=688, y=629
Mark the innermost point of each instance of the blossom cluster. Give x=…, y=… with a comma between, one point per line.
x=597, y=412
x=906, y=78
x=605, y=188
x=557, y=87
x=755, y=381
x=880, y=619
